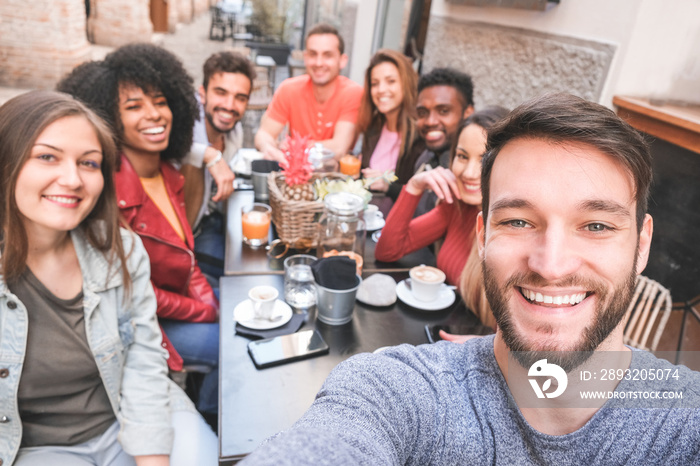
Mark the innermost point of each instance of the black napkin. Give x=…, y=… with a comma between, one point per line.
x=292, y=326
x=335, y=272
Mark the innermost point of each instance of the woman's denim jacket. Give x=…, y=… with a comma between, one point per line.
x=125, y=340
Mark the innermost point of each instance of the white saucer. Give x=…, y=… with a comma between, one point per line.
x=445, y=298
x=375, y=224
x=244, y=315
x=376, y=235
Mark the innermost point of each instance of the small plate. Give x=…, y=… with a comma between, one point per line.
x=375, y=224
x=445, y=298
x=376, y=235
x=244, y=315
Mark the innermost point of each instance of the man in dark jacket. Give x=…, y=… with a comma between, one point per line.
x=445, y=97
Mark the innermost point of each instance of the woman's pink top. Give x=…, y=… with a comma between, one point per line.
x=404, y=234
x=386, y=152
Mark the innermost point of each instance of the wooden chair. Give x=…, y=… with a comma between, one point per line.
x=648, y=311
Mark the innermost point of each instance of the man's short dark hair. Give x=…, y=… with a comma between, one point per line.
x=325, y=28
x=563, y=118
x=462, y=82
x=228, y=62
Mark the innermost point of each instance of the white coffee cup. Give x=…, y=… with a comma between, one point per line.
x=372, y=214
x=426, y=282
x=263, y=299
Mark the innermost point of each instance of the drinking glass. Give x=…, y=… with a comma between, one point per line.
x=299, y=288
x=255, y=224
x=350, y=165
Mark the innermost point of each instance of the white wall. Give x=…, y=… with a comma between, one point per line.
x=658, y=41
x=364, y=34
x=663, y=59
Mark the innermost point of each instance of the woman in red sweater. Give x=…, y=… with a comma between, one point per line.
x=459, y=192
x=146, y=96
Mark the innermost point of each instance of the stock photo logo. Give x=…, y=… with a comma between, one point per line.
x=541, y=369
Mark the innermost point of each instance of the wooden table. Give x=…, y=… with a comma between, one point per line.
x=255, y=404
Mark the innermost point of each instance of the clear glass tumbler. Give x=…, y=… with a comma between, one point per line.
x=299, y=285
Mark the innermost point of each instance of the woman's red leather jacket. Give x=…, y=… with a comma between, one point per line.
x=182, y=291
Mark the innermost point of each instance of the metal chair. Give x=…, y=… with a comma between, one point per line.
x=222, y=24
x=649, y=310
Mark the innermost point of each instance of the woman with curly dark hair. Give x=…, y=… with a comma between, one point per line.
x=147, y=97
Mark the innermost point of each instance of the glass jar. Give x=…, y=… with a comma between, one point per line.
x=322, y=159
x=342, y=228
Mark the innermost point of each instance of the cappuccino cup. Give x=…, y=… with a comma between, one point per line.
x=263, y=300
x=426, y=282
x=372, y=214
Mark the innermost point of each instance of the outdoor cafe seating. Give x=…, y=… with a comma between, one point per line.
x=284, y=392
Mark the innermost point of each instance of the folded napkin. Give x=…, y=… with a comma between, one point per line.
x=377, y=290
x=335, y=272
x=292, y=326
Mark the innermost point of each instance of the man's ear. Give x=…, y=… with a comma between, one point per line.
x=202, y=94
x=644, y=243
x=467, y=111
x=480, y=234
x=343, y=61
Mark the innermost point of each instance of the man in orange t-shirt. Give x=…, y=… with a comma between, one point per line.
x=320, y=104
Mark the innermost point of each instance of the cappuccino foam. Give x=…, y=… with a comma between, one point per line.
x=428, y=274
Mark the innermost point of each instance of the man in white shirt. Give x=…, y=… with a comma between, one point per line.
x=223, y=97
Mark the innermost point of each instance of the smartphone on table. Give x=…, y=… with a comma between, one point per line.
x=287, y=348
x=433, y=331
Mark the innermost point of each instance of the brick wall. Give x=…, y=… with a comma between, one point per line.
x=173, y=15
x=118, y=22
x=40, y=41
x=200, y=6
x=185, y=11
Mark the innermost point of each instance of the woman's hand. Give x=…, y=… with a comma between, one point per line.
x=440, y=180
x=456, y=338
x=381, y=184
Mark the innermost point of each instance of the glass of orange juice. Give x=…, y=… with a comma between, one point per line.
x=350, y=165
x=255, y=223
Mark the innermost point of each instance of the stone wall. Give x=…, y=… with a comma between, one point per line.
x=118, y=22
x=40, y=41
x=509, y=65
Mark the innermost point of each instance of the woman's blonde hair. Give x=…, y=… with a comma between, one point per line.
x=471, y=287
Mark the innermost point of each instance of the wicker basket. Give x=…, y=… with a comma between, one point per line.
x=296, y=222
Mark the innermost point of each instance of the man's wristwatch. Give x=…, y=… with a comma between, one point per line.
x=215, y=160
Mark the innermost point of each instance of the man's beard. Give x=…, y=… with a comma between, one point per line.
x=609, y=311
x=210, y=118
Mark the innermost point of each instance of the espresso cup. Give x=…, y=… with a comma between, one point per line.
x=263, y=299
x=426, y=282
x=372, y=214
